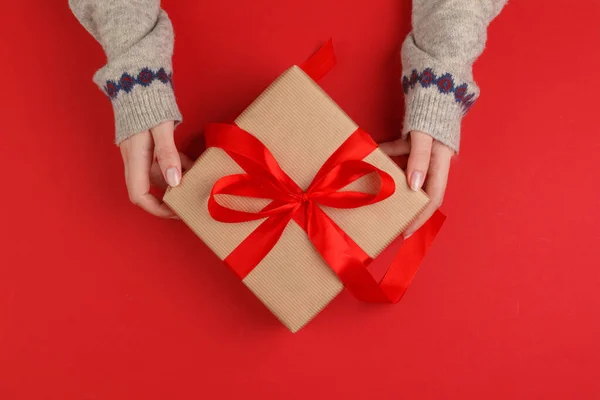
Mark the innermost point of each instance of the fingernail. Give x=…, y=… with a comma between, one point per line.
x=416, y=180
x=173, y=177
x=407, y=236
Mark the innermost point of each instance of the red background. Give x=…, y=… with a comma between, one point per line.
x=101, y=301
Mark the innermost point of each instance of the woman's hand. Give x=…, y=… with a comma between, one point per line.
x=428, y=167
x=151, y=158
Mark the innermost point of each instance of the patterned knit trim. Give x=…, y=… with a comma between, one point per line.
x=144, y=78
x=445, y=84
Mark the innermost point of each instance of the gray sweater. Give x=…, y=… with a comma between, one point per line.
x=437, y=59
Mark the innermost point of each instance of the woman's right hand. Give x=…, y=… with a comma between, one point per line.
x=151, y=158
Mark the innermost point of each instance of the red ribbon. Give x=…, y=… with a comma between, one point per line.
x=265, y=179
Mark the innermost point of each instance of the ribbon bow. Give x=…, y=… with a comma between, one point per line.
x=265, y=179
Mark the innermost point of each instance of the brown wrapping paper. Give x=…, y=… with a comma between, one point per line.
x=301, y=126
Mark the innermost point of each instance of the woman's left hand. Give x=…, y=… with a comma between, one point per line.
x=428, y=168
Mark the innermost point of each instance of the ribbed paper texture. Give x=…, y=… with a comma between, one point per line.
x=302, y=127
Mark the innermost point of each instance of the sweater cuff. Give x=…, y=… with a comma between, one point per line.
x=143, y=108
x=434, y=113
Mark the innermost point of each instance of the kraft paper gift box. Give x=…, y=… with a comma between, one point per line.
x=302, y=127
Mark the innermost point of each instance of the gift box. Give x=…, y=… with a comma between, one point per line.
x=297, y=200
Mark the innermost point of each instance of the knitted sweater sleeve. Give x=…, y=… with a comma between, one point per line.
x=137, y=37
x=437, y=62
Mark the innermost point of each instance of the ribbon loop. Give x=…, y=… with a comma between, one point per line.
x=266, y=180
x=249, y=153
x=342, y=175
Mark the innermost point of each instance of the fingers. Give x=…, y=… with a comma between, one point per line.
x=137, y=158
x=428, y=159
x=166, y=152
x=418, y=161
x=186, y=162
x=395, y=148
x=151, y=205
x=435, y=187
x=156, y=176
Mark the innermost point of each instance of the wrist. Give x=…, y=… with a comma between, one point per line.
x=435, y=104
x=142, y=108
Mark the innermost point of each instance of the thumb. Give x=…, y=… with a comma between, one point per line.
x=166, y=152
x=398, y=147
x=418, y=161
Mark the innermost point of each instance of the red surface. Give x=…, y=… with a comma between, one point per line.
x=101, y=301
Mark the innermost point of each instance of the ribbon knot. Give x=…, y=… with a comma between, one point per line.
x=304, y=198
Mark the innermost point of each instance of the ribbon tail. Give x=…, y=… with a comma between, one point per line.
x=343, y=256
x=410, y=255
x=320, y=63
x=350, y=262
x=244, y=258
